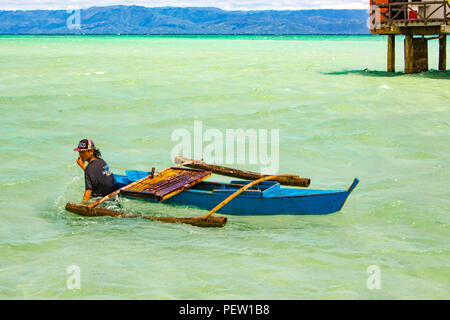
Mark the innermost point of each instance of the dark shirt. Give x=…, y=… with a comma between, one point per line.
x=99, y=178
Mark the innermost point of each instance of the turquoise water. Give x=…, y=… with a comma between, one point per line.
x=339, y=115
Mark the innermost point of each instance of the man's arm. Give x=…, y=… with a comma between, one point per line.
x=88, y=186
x=87, y=196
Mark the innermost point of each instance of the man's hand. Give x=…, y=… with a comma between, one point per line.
x=81, y=163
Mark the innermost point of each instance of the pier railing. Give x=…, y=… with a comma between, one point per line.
x=410, y=13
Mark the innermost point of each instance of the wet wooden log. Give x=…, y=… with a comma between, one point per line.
x=291, y=180
x=83, y=210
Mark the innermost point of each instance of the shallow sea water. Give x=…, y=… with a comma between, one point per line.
x=339, y=115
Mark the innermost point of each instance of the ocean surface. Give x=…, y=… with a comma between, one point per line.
x=339, y=115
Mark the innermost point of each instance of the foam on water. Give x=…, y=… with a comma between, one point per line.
x=339, y=114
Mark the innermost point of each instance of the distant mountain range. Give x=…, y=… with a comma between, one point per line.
x=187, y=20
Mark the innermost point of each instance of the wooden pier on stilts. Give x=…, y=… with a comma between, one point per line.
x=419, y=21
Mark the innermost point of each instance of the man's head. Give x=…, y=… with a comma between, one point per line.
x=86, y=149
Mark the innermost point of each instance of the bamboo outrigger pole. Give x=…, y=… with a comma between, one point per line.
x=285, y=179
x=231, y=197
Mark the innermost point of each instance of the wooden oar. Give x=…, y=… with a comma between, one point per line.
x=288, y=180
x=231, y=197
x=100, y=211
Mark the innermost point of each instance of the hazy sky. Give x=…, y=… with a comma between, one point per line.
x=224, y=4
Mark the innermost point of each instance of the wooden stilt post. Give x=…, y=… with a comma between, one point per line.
x=391, y=53
x=416, y=54
x=443, y=52
x=408, y=54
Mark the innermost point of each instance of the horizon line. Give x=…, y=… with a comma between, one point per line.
x=187, y=34
x=72, y=7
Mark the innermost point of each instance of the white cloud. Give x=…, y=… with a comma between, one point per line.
x=224, y=4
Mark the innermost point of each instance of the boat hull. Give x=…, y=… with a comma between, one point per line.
x=272, y=201
x=296, y=205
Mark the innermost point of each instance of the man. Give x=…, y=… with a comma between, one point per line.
x=99, y=180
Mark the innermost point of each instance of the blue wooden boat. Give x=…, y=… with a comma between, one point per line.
x=266, y=198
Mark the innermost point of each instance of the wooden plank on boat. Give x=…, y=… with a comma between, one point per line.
x=167, y=183
x=288, y=180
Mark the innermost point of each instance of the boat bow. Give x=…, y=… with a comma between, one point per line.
x=353, y=186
